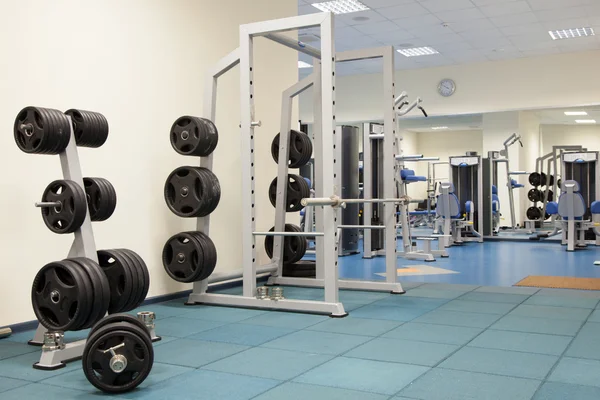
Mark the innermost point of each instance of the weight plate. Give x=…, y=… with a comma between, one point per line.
x=90, y=128
x=34, y=133
x=299, y=152
x=294, y=247
x=88, y=294
x=96, y=310
x=119, y=277
x=297, y=190
x=194, y=136
x=535, y=195
x=70, y=214
x=102, y=281
x=142, y=272
x=59, y=124
x=192, y=192
x=543, y=179
x=123, y=368
x=117, y=318
x=138, y=294
x=136, y=280
x=534, y=213
x=535, y=179
x=101, y=198
x=210, y=254
x=57, y=297
x=183, y=258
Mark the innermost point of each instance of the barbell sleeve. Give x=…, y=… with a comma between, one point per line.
x=47, y=204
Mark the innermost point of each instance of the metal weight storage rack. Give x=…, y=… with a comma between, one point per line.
x=323, y=82
x=55, y=353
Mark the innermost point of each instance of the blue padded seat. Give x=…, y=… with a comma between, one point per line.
x=515, y=184
x=470, y=206
x=408, y=176
x=552, y=208
x=309, y=182
x=494, y=189
x=595, y=208
x=578, y=202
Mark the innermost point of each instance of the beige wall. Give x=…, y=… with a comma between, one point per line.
x=584, y=135
x=141, y=63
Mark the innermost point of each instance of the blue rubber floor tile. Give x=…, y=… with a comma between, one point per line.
x=403, y=351
x=232, y=290
x=595, y=317
x=356, y=296
x=457, y=335
x=562, y=301
x=477, y=306
x=222, y=314
x=194, y=353
x=77, y=380
x=563, y=313
x=350, y=373
x=443, y=384
x=585, y=344
x=495, y=297
x=301, y=391
x=537, y=325
x=563, y=391
x=450, y=286
x=9, y=383
x=269, y=363
x=204, y=384
x=317, y=342
x=522, y=341
x=507, y=290
x=426, y=303
x=12, y=349
x=20, y=367
x=164, y=339
x=577, y=371
x=391, y=313
x=501, y=362
x=411, y=285
x=181, y=326
x=351, y=306
x=592, y=294
x=47, y=392
x=435, y=293
x=300, y=293
x=24, y=337
x=286, y=320
x=163, y=310
x=355, y=326
x=246, y=334
x=455, y=318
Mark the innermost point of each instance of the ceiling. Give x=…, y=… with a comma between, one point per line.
x=463, y=31
x=554, y=116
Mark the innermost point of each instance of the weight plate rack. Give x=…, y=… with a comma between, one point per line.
x=69, y=205
x=540, y=181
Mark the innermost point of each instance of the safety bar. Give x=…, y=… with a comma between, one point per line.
x=288, y=233
x=410, y=157
x=294, y=44
x=335, y=201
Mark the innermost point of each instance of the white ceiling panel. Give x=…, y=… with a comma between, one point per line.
x=471, y=25
x=393, y=38
x=446, y=5
x=540, y=52
x=566, y=23
x=385, y=3
x=480, y=3
x=560, y=14
x=418, y=21
x=514, y=19
x=454, y=47
x=403, y=11
x=468, y=14
x=489, y=43
x=350, y=19
x=556, y=4
x=513, y=7
x=377, y=27
x=536, y=28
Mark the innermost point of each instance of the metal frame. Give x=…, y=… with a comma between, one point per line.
x=478, y=237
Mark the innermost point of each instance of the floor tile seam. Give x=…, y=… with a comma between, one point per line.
x=561, y=306
x=388, y=361
x=25, y=383
x=540, y=380
x=512, y=351
x=239, y=344
x=534, y=333
x=370, y=336
x=501, y=302
x=39, y=348
x=218, y=359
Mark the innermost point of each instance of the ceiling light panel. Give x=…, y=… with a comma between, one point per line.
x=302, y=64
x=571, y=33
x=341, y=6
x=437, y=128
x=574, y=113
x=585, y=121
x=418, y=51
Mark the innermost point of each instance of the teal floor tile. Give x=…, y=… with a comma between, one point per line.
x=194, y=353
x=204, y=384
x=507, y=290
x=12, y=349
x=164, y=310
x=269, y=363
x=77, y=380
x=563, y=391
x=426, y=303
x=181, y=326
x=361, y=296
x=595, y=317
x=164, y=339
x=537, y=325
x=317, y=342
x=403, y=351
x=577, y=371
x=484, y=307
x=47, y=392
x=246, y=334
x=522, y=341
x=9, y=383
x=351, y=306
x=495, y=297
x=20, y=367
x=299, y=293
x=501, y=362
x=349, y=373
x=562, y=301
x=563, y=313
x=286, y=320
x=411, y=285
x=232, y=290
x=585, y=344
x=301, y=391
x=455, y=318
x=355, y=326
x=592, y=294
x=435, y=293
x=450, y=286
x=443, y=384
x=457, y=335
x=390, y=313
x=24, y=337
x=222, y=314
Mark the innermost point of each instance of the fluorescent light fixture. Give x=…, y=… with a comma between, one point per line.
x=571, y=33
x=302, y=64
x=437, y=128
x=341, y=6
x=585, y=121
x=574, y=113
x=417, y=51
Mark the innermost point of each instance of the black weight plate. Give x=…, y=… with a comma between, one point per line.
x=141, y=265
x=559, y=184
x=534, y=213
x=297, y=190
x=63, y=129
x=55, y=296
x=299, y=152
x=117, y=318
x=188, y=193
x=102, y=280
x=88, y=294
x=68, y=217
x=550, y=195
x=183, y=257
x=307, y=155
x=96, y=358
x=534, y=179
x=136, y=280
x=91, y=128
x=210, y=254
x=97, y=199
x=40, y=136
x=137, y=270
x=535, y=195
x=95, y=311
x=111, y=195
x=194, y=136
x=119, y=278
x=213, y=188
x=294, y=247
x=103, y=128
x=57, y=139
x=542, y=179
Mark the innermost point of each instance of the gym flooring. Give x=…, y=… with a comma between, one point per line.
x=471, y=338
